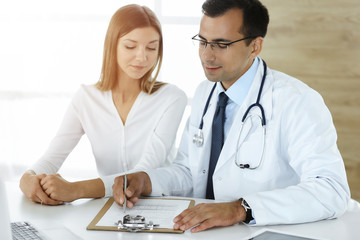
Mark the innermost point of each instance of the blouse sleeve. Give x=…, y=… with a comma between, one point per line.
x=62, y=144
x=162, y=140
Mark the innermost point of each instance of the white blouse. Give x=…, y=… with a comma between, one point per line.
x=145, y=141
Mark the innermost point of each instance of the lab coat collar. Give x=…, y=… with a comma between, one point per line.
x=240, y=89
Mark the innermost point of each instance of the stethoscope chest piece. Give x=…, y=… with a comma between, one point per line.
x=198, y=138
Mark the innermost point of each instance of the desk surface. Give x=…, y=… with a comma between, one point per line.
x=78, y=214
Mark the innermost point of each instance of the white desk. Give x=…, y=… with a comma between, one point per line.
x=77, y=215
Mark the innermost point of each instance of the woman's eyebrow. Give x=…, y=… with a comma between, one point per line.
x=134, y=41
x=156, y=40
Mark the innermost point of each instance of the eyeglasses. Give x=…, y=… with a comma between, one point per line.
x=217, y=47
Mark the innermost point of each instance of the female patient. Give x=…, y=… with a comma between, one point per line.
x=130, y=118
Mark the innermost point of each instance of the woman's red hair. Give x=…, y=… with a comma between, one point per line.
x=125, y=20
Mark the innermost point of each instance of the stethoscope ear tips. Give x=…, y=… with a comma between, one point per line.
x=244, y=166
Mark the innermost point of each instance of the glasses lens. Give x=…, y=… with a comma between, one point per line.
x=199, y=43
x=216, y=47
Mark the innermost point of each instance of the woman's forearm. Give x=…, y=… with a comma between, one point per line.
x=93, y=188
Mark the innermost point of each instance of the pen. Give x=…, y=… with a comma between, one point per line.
x=125, y=185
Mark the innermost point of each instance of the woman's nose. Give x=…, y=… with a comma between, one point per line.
x=141, y=54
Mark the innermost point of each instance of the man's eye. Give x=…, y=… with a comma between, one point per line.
x=202, y=43
x=222, y=45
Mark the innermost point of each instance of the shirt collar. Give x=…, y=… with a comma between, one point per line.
x=239, y=90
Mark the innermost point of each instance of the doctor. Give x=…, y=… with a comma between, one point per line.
x=274, y=162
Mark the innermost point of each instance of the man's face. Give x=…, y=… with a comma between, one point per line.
x=227, y=65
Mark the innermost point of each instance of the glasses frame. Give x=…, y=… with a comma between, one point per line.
x=213, y=44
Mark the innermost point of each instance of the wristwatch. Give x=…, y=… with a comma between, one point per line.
x=249, y=216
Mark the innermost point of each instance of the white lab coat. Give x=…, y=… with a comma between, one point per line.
x=302, y=176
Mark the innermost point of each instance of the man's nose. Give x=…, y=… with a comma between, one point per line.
x=208, y=53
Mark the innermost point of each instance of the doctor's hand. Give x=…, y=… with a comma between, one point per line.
x=137, y=184
x=31, y=187
x=209, y=215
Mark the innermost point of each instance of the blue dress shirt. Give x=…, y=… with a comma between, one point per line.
x=237, y=94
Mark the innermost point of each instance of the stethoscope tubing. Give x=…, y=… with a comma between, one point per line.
x=257, y=103
x=206, y=107
x=198, y=138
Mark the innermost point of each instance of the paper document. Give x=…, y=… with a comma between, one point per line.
x=160, y=211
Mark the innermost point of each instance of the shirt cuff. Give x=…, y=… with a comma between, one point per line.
x=108, y=183
x=156, y=189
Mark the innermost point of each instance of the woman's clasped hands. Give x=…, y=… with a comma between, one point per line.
x=49, y=189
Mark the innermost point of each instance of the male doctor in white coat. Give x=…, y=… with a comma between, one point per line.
x=295, y=175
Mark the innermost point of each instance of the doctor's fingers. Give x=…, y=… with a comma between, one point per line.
x=138, y=184
x=221, y=214
x=135, y=186
x=206, y=216
x=118, y=190
x=130, y=203
x=198, y=225
x=191, y=217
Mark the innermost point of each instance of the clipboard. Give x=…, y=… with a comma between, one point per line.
x=94, y=223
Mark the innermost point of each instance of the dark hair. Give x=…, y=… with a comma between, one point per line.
x=255, y=15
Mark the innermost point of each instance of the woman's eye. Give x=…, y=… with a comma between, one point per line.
x=151, y=47
x=129, y=47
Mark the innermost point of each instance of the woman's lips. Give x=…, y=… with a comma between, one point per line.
x=139, y=68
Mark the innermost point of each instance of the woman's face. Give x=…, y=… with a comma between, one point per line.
x=137, y=52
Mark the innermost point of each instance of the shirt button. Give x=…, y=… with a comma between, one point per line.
x=219, y=178
x=204, y=171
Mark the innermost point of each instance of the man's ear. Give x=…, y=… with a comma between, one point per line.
x=256, y=45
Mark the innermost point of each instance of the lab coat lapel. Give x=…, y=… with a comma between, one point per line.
x=231, y=142
x=267, y=97
x=208, y=119
x=207, y=127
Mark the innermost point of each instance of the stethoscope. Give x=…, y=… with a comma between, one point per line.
x=198, y=138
